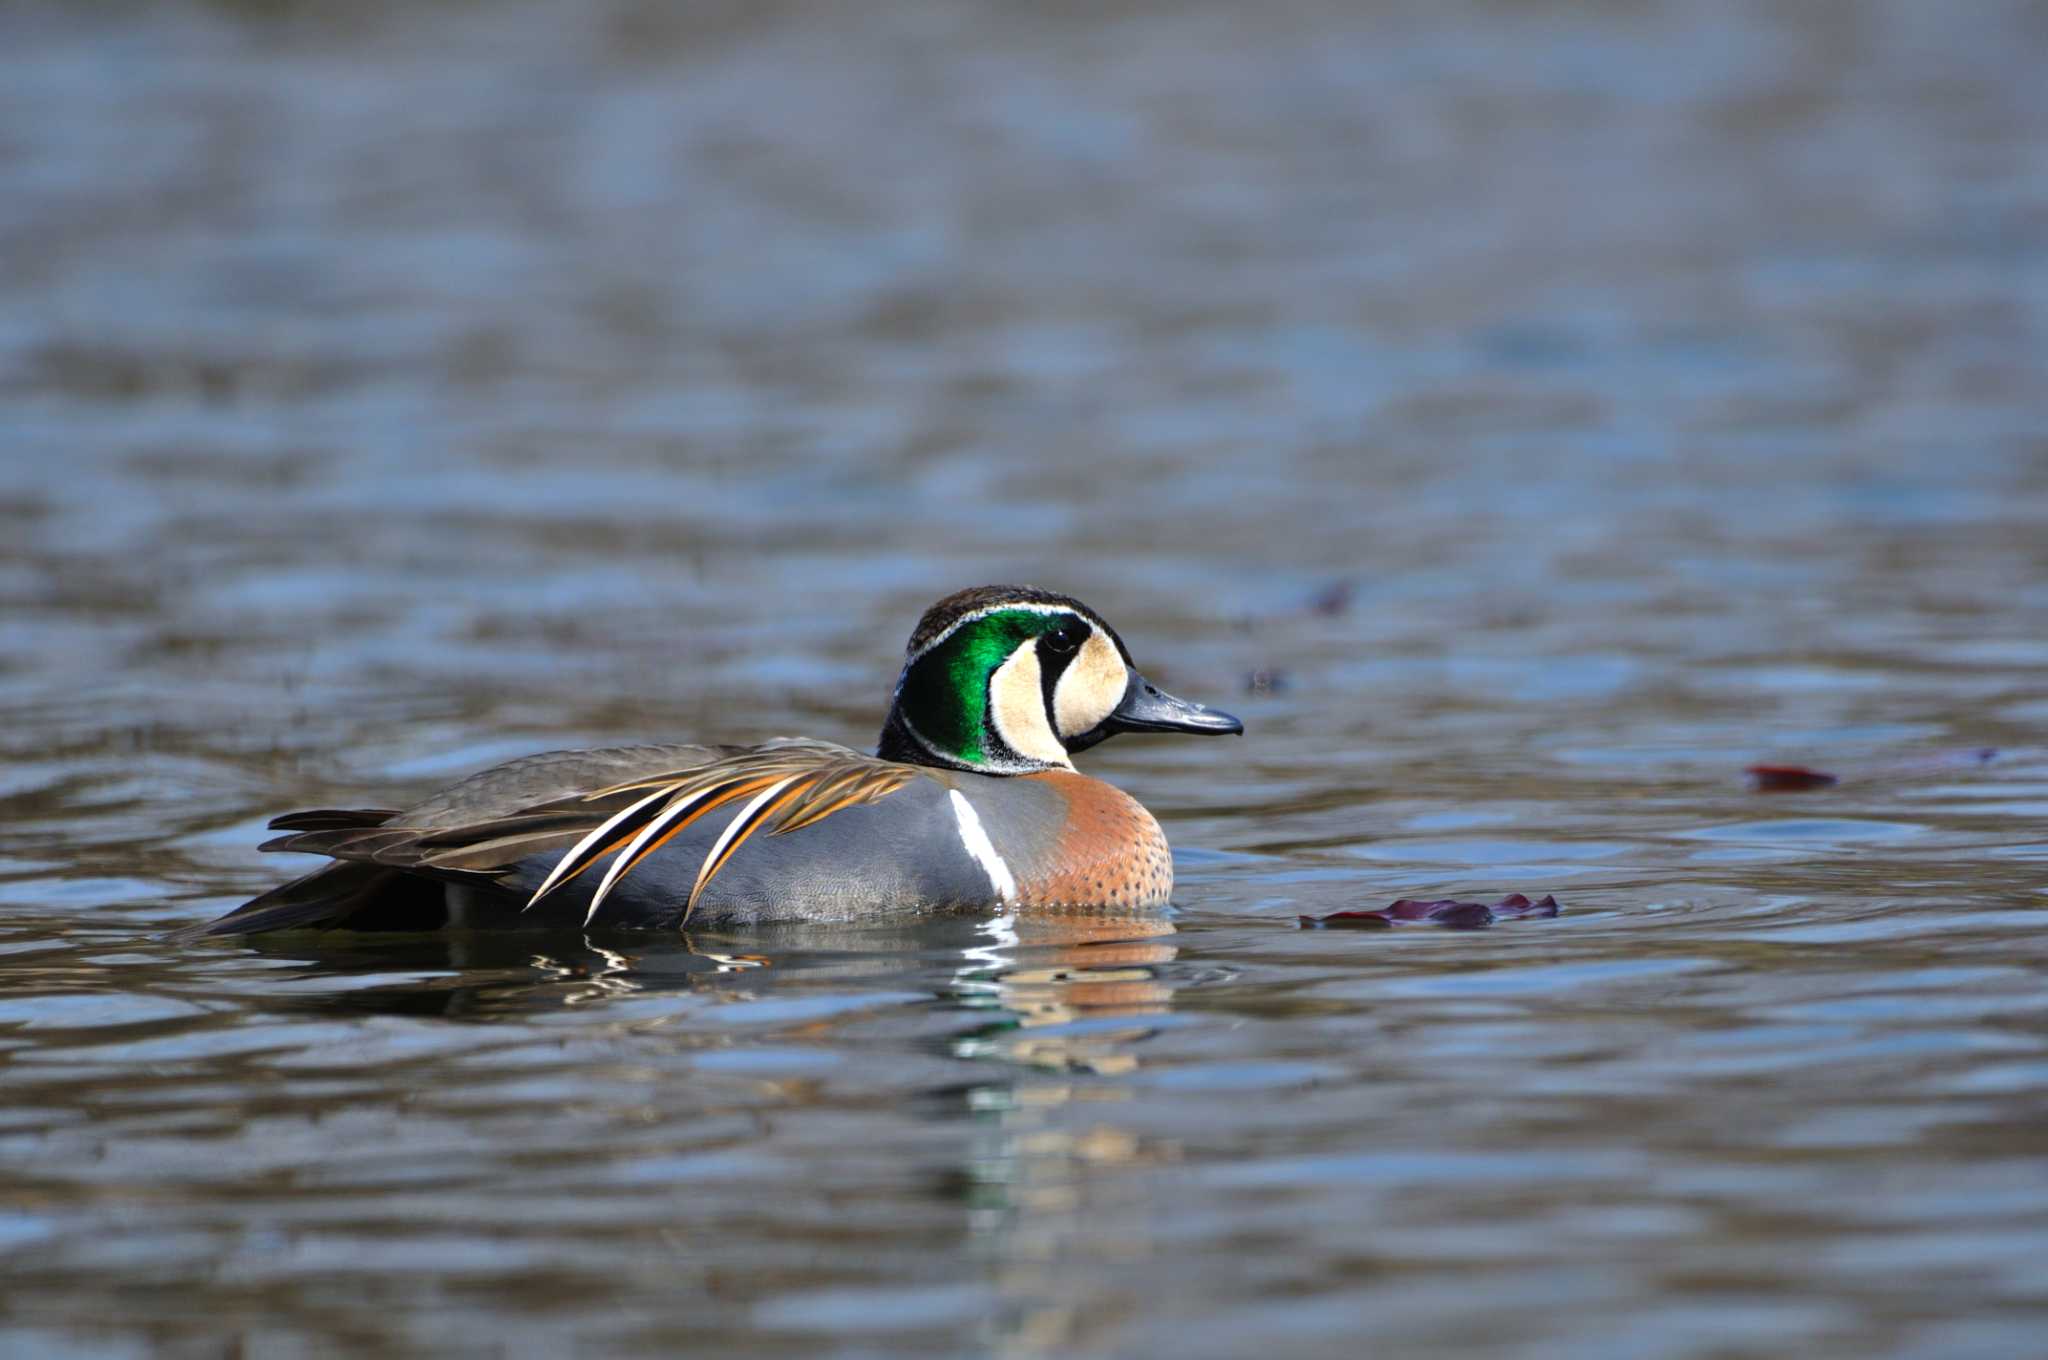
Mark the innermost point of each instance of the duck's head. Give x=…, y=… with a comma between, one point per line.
x=1012, y=680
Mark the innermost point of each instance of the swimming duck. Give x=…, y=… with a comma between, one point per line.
x=970, y=803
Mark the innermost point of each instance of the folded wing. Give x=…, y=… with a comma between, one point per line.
x=624, y=803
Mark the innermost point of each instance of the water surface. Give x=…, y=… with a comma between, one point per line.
x=1524, y=416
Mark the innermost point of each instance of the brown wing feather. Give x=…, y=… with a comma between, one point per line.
x=326, y=819
x=347, y=842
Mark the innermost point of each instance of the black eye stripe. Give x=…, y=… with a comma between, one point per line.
x=1055, y=654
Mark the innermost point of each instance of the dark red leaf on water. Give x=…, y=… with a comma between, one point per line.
x=1514, y=906
x=1447, y=912
x=1347, y=920
x=1458, y=915
x=1792, y=778
x=1787, y=778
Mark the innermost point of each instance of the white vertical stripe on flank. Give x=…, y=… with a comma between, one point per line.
x=982, y=849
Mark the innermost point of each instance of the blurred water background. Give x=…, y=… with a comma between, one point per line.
x=1524, y=415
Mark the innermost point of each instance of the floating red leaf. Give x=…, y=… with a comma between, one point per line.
x=1447, y=912
x=1515, y=906
x=1792, y=778
x=1348, y=920
x=1787, y=778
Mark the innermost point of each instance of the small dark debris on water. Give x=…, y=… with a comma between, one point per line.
x=1333, y=599
x=1328, y=601
x=1265, y=681
x=1447, y=912
x=1787, y=778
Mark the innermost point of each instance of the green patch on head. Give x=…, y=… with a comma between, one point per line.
x=944, y=694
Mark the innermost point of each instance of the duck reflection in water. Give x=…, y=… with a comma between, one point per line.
x=1052, y=1012
x=1039, y=973
x=1056, y=1184
x=1048, y=974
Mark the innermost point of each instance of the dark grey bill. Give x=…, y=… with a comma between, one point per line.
x=1147, y=708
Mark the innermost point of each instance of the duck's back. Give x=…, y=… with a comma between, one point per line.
x=888, y=839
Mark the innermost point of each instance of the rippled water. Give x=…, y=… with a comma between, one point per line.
x=1525, y=416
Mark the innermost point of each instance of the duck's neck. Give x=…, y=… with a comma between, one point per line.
x=899, y=743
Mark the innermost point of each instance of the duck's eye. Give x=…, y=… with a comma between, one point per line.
x=1066, y=639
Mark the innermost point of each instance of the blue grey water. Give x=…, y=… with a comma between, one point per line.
x=1525, y=415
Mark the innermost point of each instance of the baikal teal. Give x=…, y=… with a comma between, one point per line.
x=970, y=804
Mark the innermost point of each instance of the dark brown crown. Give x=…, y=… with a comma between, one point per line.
x=950, y=610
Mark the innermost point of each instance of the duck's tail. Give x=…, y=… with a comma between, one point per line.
x=351, y=893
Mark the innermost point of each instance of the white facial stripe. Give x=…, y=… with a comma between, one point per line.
x=982, y=849
x=956, y=625
x=1091, y=687
x=1016, y=705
